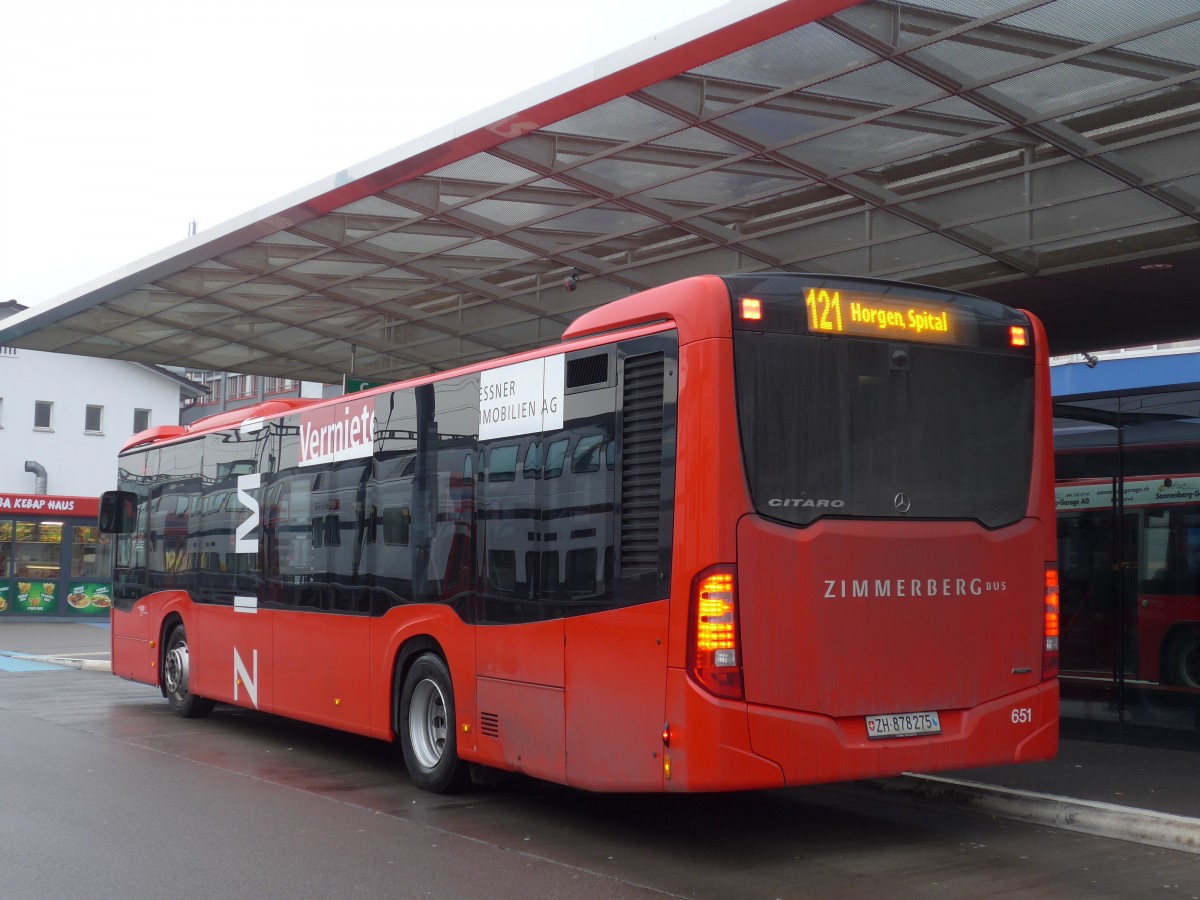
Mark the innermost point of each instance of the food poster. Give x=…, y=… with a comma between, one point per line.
x=36, y=597
x=88, y=597
x=5, y=590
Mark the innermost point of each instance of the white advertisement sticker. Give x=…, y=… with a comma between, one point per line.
x=523, y=398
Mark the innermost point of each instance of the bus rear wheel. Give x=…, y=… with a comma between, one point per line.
x=426, y=728
x=176, y=671
x=1183, y=659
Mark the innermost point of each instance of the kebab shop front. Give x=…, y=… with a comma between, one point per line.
x=53, y=559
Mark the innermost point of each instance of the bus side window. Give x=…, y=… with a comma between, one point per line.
x=1171, y=548
x=586, y=457
x=549, y=573
x=502, y=463
x=556, y=457
x=533, y=460
x=397, y=520
x=581, y=570
x=502, y=570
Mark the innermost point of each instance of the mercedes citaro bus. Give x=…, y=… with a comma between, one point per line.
x=733, y=532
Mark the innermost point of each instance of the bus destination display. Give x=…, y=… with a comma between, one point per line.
x=878, y=315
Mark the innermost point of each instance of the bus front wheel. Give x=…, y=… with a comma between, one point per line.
x=176, y=672
x=426, y=728
x=1183, y=659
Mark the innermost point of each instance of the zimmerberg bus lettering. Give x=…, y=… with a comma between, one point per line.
x=336, y=433
x=887, y=588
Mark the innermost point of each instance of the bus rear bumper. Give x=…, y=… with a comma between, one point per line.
x=1019, y=727
x=723, y=745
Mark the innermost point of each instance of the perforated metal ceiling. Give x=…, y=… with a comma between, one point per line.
x=1036, y=152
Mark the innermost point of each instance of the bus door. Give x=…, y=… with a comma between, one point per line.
x=1098, y=572
x=321, y=666
x=230, y=635
x=519, y=652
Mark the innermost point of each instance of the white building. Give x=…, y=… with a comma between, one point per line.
x=69, y=415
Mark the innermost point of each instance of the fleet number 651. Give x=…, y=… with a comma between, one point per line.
x=1022, y=715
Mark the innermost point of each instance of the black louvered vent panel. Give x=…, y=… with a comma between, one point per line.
x=585, y=370
x=489, y=724
x=641, y=463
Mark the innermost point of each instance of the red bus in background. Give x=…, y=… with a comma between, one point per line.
x=734, y=532
x=1153, y=561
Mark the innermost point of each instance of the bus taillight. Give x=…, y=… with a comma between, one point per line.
x=1051, y=627
x=713, y=651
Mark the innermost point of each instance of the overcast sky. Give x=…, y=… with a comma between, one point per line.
x=121, y=121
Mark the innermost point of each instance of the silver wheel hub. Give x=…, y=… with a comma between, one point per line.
x=427, y=724
x=175, y=669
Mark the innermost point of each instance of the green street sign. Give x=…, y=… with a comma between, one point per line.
x=354, y=385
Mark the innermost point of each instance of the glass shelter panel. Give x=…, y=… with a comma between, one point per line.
x=1128, y=498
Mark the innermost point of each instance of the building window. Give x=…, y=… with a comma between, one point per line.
x=278, y=385
x=240, y=386
x=141, y=420
x=93, y=419
x=1, y=412
x=42, y=410
x=211, y=382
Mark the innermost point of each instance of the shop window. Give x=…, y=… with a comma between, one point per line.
x=93, y=419
x=42, y=415
x=91, y=553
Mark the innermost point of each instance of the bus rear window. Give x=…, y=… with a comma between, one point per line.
x=856, y=427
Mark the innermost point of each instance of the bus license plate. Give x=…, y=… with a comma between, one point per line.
x=903, y=725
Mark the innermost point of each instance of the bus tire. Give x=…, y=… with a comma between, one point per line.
x=1183, y=659
x=427, y=726
x=176, y=670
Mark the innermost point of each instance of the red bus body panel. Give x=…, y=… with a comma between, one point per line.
x=860, y=618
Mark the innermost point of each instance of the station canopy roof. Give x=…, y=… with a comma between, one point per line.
x=1041, y=152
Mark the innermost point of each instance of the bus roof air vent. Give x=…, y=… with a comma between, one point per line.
x=584, y=371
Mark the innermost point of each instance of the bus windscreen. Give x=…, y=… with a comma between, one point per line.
x=912, y=407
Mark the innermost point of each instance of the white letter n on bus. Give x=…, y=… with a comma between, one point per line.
x=242, y=678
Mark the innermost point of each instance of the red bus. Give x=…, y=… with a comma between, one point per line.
x=1131, y=590
x=733, y=532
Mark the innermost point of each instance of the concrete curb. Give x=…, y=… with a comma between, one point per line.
x=1109, y=820
x=87, y=665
